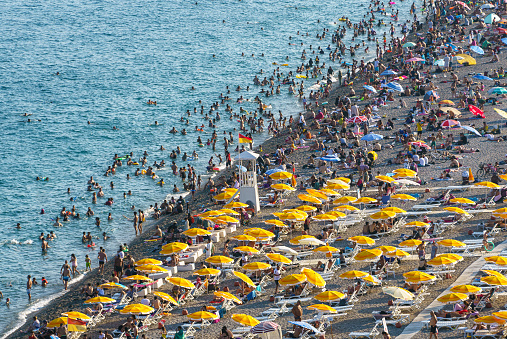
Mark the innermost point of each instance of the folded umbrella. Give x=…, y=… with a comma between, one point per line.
x=476, y=111
x=481, y=77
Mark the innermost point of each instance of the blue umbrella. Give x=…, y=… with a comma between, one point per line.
x=370, y=88
x=439, y=62
x=471, y=129
x=305, y=325
x=372, y=137
x=481, y=77
x=454, y=48
x=274, y=170
x=395, y=86
x=330, y=158
x=477, y=50
x=388, y=72
x=504, y=40
x=497, y=90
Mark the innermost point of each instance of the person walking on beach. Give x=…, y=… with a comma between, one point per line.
x=65, y=272
x=102, y=256
x=136, y=219
x=73, y=262
x=29, y=288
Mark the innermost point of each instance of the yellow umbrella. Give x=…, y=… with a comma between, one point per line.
x=394, y=209
x=112, y=285
x=313, y=277
x=344, y=200
x=194, y=232
x=295, y=241
x=244, y=278
x=326, y=249
x=456, y=210
x=98, y=300
x=337, y=214
x=365, y=200
x=279, y=258
x=293, y=210
x=397, y=254
x=451, y=243
x=245, y=320
x=346, y=208
x=328, y=191
x=495, y=273
x=235, y=204
x=317, y=194
x=246, y=249
x=291, y=216
x=466, y=289
x=353, y=275
x=149, y=261
x=137, y=309
x=486, y=184
x=76, y=315
x=362, y=240
x=137, y=277
x=150, y=269
x=466, y=58
x=256, y=266
x=275, y=222
x=497, y=260
x=282, y=175
x=325, y=217
x=441, y=261
x=181, y=282
x=495, y=280
x=292, y=280
x=219, y=259
x=211, y=214
x=488, y=320
x=322, y=308
x=243, y=237
x=223, y=196
x=502, y=210
x=417, y=224
x=306, y=208
x=368, y=254
x=446, y=102
x=340, y=179
x=404, y=170
x=417, y=276
x=410, y=243
x=387, y=249
x=452, y=298
x=228, y=296
x=384, y=178
x=503, y=114
x=202, y=315
x=228, y=211
x=225, y=219
x=230, y=189
x=57, y=322
x=404, y=175
x=371, y=279
x=382, y=215
x=462, y=201
x=260, y=233
x=453, y=256
x=403, y=197
x=338, y=186
x=282, y=187
x=500, y=315
x=329, y=296
x=173, y=247
x=309, y=198
x=398, y=293
x=207, y=271
x=166, y=297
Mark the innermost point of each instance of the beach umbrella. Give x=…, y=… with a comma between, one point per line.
x=418, y=277
x=275, y=222
x=404, y=170
x=273, y=170
x=382, y=215
x=306, y=208
x=450, y=123
x=244, y=237
x=503, y=114
x=415, y=60
x=246, y=249
x=476, y=111
x=453, y=256
x=245, y=320
x=292, y=280
x=357, y=119
x=494, y=280
x=313, y=277
x=207, y=271
x=395, y=86
x=317, y=194
x=384, y=178
x=327, y=191
x=394, y=209
x=311, y=242
x=500, y=315
x=235, y=204
x=76, y=315
x=344, y=200
x=439, y=62
x=370, y=88
x=398, y=293
x=322, y=308
x=419, y=144
x=219, y=260
x=417, y=224
x=228, y=211
x=244, y=278
x=194, y=232
x=451, y=243
x=471, y=129
x=451, y=110
x=293, y=210
x=388, y=72
x=223, y=196
x=497, y=90
x=452, y=298
x=282, y=187
x=346, y=208
x=493, y=272
x=225, y=219
x=166, y=297
x=440, y=261
x=112, y=285
x=446, y=102
x=149, y=261
x=340, y=180
x=487, y=6
x=137, y=309
x=466, y=289
x=284, y=249
x=486, y=184
x=55, y=323
x=265, y=327
x=492, y=17
x=137, y=277
x=202, y=315
x=228, y=296
x=211, y=214
x=371, y=279
x=99, y=300
x=403, y=197
x=337, y=186
x=309, y=198
x=397, y=254
x=362, y=240
x=499, y=260
x=500, y=210
x=365, y=200
x=324, y=217
x=372, y=137
x=480, y=76
x=260, y=233
x=478, y=50
x=408, y=44
x=337, y=214
x=462, y=58
x=150, y=269
x=353, y=275
x=329, y=296
x=488, y=320
x=410, y=243
x=256, y=266
x=171, y=248
x=181, y=282
x=463, y=201
x=456, y=210
x=372, y=254
x=387, y=249
x=330, y=158
x=281, y=175
x=279, y=258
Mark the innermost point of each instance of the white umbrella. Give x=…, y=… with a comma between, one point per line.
x=407, y=182
x=471, y=129
x=284, y=249
x=311, y=241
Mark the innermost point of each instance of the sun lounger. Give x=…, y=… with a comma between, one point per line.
x=425, y=207
x=453, y=324
x=372, y=334
x=189, y=331
x=468, y=249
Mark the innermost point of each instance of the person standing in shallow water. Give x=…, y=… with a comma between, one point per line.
x=29, y=288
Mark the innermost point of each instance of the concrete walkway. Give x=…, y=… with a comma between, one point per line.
x=465, y=278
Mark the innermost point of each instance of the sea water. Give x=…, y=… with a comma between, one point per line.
x=84, y=67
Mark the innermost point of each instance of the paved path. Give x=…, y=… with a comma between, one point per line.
x=465, y=278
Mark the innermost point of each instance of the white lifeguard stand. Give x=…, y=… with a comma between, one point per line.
x=248, y=191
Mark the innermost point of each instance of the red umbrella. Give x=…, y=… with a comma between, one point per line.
x=450, y=124
x=415, y=60
x=476, y=111
x=357, y=120
x=501, y=30
x=419, y=144
x=264, y=327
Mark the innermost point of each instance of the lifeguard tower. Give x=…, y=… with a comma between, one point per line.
x=249, y=194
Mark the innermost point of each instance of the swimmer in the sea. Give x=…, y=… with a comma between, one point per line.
x=18, y=226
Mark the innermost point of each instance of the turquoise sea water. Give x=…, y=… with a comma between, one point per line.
x=112, y=57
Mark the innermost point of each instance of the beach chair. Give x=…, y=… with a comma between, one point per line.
x=282, y=309
x=189, y=332
x=372, y=334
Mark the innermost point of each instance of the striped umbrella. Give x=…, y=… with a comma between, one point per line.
x=264, y=327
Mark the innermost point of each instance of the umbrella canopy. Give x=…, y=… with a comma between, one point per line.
x=471, y=129
x=372, y=137
x=417, y=276
x=497, y=90
x=137, y=277
x=329, y=296
x=150, y=269
x=456, y=210
x=223, y=196
x=478, y=50
x=282, y=175
x=202, y=315
x=76, y=315
x=488, y=320
x=313, y=277
x=503, y=114
x=228, y=296
x=235, y=204
x=311, y=242
x=397, y=254
x=246, y=249
x=404, y=170
x=492, y=17
x=309, y=198
x=463, y=201
x=181, y=282
x=441, y=261
x=382, y=215
x=244, y=278
x=362, y=240
x=171, y=248
x=410, y=243
x=292, y=280
x=372, y=254
x=499, y=260
x=453, y=256
x=99, y=300
x=388, y=72
x=324, y=217
x=394, y=209
x=466, y=58
x=353, y=274
x=446, y=102
x=451, y=110
x=112, y=285
x=256, y=266
x=279, y=258
x=305, y=325
x=207, y=271
x=149, y=261
x=329, y=190
x=346, y=208
x=370, y=88
x=344, y=200
x=395, y=86
x=495, y=280
x=495, y=273
x=452, y=298
x=219, y=259
x=451, y=243
x=466, y=289
x=330, y=158
x=225, y=219
x=415, y=60
x=480, y=76
x=228, y=211
x=500, y=315
x=487, y=6
x=450, y=123
x=282, y=187
x=486, y=184
x=387, y=249
x=326, y=249
x=384, y=178
x=260, y=233
x=398, y=293
x=417, y=224
x=357, y=119
x=365, y=200
x=295, y=241
x=408, y=44
x=476, y=111
x=264, y=327
x=57, y=322
x=211, y=214
x=245, y=319
x=317, y=194
x=244, y=237
x=166, y=297
x=137, y=309
x=322, y=308
x=194, y=232
x=306, y=208
x=284, y=249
